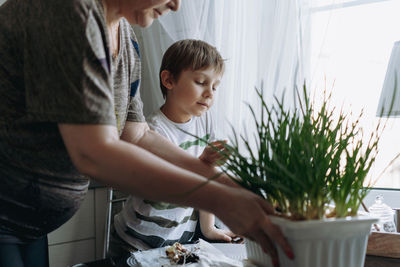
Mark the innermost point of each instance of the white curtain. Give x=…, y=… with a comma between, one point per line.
x=261, y=40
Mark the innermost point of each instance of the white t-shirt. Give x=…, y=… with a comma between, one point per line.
x=146, y=224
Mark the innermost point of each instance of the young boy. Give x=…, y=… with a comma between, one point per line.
x=190, y=73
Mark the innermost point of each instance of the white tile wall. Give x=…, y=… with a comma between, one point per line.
x=81, y=238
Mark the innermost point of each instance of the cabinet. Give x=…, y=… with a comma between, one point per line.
x=81, y=238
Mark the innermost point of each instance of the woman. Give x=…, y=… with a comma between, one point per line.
x=70, y=107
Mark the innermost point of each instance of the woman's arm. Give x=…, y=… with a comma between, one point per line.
x=141, y=135
x=97, y=151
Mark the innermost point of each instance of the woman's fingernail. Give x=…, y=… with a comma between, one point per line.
x=290, y=254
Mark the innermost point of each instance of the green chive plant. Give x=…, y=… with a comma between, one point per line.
x=305, y=159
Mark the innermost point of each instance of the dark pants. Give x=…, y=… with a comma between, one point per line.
x=32, y=254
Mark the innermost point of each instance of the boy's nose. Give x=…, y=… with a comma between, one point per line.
x=209, y=92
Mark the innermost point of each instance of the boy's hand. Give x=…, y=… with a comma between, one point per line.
x=212, y=153
x=214, y=233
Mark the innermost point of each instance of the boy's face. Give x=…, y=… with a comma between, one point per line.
x=192, y=94
x=143, y=12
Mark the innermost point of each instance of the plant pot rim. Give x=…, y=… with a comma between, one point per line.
x=334, y=220
x=325, y=228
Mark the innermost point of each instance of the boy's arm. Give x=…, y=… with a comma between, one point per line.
x=208, y=229
x=141, y=135
x=207, y=220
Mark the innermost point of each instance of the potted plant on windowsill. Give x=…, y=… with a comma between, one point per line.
x=311, y=166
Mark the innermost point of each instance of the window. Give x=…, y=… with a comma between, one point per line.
x=351, y=44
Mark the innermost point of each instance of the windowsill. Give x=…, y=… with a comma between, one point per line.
x=384, y=244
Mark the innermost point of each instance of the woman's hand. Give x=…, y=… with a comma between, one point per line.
x=247, y=215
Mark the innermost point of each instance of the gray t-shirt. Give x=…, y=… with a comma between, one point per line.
x=55, y=67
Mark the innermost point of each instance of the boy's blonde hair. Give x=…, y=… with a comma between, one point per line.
x=189, y=54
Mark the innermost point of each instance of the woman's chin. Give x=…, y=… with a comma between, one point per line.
x=147, y=23
x=143, y=22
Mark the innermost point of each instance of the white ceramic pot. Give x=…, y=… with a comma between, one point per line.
x=329, y=243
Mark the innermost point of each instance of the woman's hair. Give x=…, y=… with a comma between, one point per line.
x=189, y=54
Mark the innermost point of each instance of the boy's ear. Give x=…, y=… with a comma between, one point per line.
x=167, y=79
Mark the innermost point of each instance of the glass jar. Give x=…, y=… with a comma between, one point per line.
x=385, y=215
